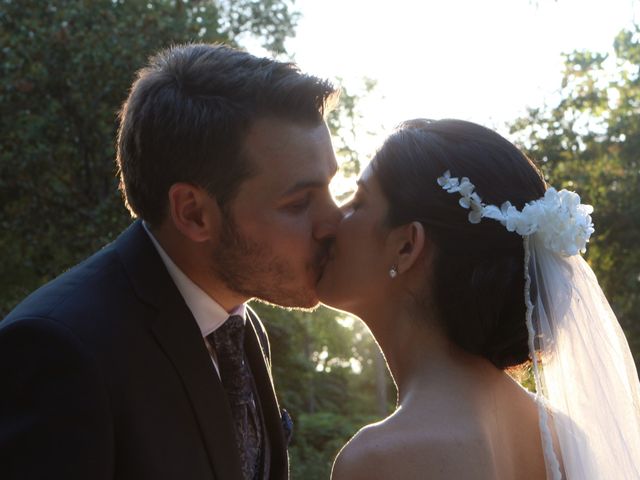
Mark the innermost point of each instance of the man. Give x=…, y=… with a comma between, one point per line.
x=125, y=367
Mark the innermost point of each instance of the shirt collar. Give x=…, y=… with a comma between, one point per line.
x=208, y=313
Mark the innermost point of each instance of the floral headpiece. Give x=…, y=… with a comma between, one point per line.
x=562, y=222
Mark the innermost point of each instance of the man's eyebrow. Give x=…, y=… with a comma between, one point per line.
x=304, y=185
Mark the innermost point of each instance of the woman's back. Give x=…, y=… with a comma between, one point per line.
x=483, y=427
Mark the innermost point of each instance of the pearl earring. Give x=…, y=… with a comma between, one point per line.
x=393, y=272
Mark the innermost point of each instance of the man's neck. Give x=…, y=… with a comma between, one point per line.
x=193, y=260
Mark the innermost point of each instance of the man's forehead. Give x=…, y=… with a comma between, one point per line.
x=307, y=175
x=292, y=156
x=277, y=134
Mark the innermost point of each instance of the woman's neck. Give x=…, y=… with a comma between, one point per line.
x=418, y=353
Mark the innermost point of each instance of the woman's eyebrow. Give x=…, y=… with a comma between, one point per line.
x=362, y=185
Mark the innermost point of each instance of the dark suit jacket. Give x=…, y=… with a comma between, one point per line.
x=104, y=375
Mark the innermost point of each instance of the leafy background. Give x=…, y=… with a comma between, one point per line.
x=66, y=66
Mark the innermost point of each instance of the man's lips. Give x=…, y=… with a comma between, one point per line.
x=325, y=258
x=322, y=265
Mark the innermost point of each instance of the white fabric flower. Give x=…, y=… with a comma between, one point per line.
x=466, y=187
x=558, y=218
x=444, y=179
x=448, y=183
x=475, y=215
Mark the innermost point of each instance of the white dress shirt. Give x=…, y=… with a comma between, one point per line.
x=208, y=313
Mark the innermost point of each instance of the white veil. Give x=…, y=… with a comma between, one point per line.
x=588, y=392
x=585, y=375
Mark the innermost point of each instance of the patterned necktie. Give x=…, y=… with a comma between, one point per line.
x=228, y=341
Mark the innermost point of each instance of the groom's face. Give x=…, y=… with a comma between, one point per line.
x=279, y=227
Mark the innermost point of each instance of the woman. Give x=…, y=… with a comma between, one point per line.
x=431, y=257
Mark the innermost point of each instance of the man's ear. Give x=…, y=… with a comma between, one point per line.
x=194, y=212
x=410, y=243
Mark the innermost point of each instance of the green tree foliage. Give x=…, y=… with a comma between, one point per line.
x=589, y=142
x=327, y=376
x=343, y=122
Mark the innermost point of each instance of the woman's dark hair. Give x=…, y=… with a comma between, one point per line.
x=478, y=276
x=187, y=116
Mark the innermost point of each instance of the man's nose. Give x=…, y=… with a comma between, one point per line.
x=327, y=226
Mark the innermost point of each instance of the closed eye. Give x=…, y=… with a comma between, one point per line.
x=355, y=204
x=300, y=204
x=352, y=205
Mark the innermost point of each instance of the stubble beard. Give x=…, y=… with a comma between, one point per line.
x=250, y=268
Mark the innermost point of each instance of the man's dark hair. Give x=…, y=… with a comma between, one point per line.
x=188, y=113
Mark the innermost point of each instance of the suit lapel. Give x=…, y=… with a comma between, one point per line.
x=203, y=387
x=271, y=411
x=177, y=333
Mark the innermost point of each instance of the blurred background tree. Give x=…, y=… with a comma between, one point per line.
x=590, y=142
x=330, y=377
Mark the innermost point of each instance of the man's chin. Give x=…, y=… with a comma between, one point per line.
x=306, y=300
x=307, y=306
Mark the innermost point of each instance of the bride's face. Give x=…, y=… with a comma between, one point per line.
x=359, y=263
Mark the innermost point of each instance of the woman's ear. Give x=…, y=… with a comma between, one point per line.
x=194, y=212
x=410, y=244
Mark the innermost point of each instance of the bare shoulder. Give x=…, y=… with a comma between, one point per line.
x=363, y=457
x=381, y=452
